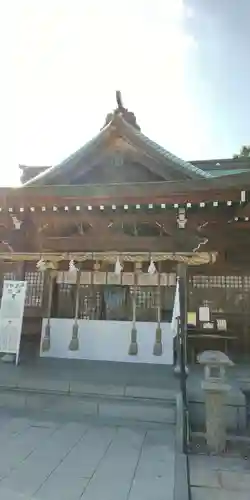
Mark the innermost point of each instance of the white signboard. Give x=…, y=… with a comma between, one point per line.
x=11, y=316
x=204, y=313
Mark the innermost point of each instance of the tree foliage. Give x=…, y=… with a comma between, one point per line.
x=244, y=152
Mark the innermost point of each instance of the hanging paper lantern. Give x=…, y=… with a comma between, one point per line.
x=118, y=266
x=152, y=269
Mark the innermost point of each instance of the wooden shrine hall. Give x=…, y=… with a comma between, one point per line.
x=98, y=239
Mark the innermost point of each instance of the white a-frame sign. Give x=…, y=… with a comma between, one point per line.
x=11, y=316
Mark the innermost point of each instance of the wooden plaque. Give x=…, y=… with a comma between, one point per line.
x=164, y=279
x=172, y=279
x=85, y=278
x=114, y=279
x=128, y=278
x=66, y=277
x=99, y=278
x=59, y=277
x=146, y=279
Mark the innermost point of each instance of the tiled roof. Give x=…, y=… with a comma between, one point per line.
x=44, y=177
x=232, y=171
x=122, y=123
x=176, y=161
x=166, y=165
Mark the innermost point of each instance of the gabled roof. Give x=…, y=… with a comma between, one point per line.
x=222, y=173
x=28, y=172
x=217, y=168
x=119, y=124
x=224, y=166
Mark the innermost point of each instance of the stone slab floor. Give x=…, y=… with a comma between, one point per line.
x=60, y=460
x=220, y=478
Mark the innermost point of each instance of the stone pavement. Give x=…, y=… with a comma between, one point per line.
x=220, y=478
x=45, y=459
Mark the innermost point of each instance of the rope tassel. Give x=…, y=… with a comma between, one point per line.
x=74, y=343
x=46, y=338
x=133, y=348
x=157, y=351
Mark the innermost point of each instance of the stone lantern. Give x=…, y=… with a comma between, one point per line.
x=215, y=387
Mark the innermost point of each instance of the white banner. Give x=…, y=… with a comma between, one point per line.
x=11, y=316
x=176, y=310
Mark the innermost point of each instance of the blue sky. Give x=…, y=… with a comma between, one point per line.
x=182, y=67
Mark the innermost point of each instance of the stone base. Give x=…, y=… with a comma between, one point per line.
x=235, y=409
x=215, y=419
x=177, y=370
x=8, y=358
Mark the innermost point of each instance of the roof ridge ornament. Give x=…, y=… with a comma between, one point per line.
x=120, y=110
x=118, y=95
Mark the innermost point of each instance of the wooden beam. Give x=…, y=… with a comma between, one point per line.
x=110, y=256
x=142, y=192
x=119, y=242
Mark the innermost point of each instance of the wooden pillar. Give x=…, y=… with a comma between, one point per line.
x=74, y=343
x=158, y=334
x=245, y=343
x=133, y=348
x=46, y=338
x=21, y=271
x=182, y=274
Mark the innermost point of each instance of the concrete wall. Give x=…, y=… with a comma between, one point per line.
x=108, y=340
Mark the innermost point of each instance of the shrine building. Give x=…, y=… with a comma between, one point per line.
x=98, y=239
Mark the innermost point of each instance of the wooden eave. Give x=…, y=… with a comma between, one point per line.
x=204, y=190
x=189, y=258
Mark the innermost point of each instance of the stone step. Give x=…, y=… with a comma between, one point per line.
x=80, y=387
x=76, y=406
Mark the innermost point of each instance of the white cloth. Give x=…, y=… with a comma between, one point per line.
x=152, y=268
x=41, y=265
x=118, y=266
x=176, y=310
x=72, y=267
